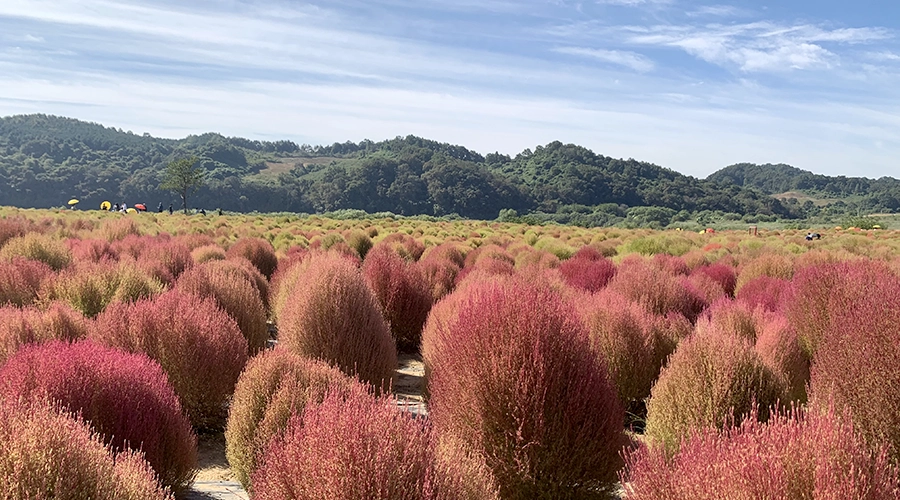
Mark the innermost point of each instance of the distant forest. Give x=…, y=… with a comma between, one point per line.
x=46, y=160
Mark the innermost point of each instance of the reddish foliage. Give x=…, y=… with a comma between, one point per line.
x=814, y=455
x=21, y=279
x=440, y=274
x=92, y=250
x=198, y=345
x=355, y=446
x=587, y=270
x=660, y=293
x=670, y=264
x=126, y=399
x=731, y=318
x=48, y=454
x=332, y=315
x=241, y=268
x=765, y=292
x=856, y=353
x=404, y=245
x=13, y=227
x=403, y=294
x=723, y=274
x=275, y=385
x=519, y=384
x=779, y=348
x=20, y=327
x=237, y=297
x=258, y=251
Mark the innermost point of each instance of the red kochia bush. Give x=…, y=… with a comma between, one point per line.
x=258, y=251
x=587, y=270
x=125, y=398
x=355, y=446
x=659, y=292
x=20, y=280
x=723, y=274
x=49, y=454
x=239, y=267
x=779, y=348
x=235, y=296
x=19, y=327
x=513, y=378
x=198, y=345
x=332, y=315
x=712, y=379
x=854, y=365
x=815, y=456
x=402, y=293
x=275, y=385
x=765, y=292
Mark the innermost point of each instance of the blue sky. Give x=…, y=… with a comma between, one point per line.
x=687, y=84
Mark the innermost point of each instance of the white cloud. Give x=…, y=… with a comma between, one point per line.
x=631, y=60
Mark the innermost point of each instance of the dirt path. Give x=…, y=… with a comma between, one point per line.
x=215, y=481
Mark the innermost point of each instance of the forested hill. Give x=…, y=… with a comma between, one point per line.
x=46, y=160
x=872, y=194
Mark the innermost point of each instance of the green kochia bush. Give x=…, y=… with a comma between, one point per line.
x=331, y=314
x=713, y=379
x=126, y=399
x=23, y=326
x=198, y=345
x=275, y=385
x=49, y=454
x=513, y=378
x=799, y=455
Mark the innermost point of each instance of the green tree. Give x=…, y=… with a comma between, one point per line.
x=185, y=177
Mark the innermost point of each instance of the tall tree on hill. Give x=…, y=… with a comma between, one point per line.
x=185, y=177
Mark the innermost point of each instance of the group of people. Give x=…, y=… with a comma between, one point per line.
x=122, y=207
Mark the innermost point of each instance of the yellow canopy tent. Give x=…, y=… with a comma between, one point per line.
x=131, y=211
x=73, y=201
x=105, y=205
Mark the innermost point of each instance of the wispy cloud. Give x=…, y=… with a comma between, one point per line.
x=631, y=60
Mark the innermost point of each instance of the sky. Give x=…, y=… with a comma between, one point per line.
x=687, y=84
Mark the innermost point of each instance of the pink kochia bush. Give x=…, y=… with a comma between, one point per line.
x=258, y=251
x=234, y=295
x=125, y=398
x=331, y=314
x=657, y=291
x=765, y=292
x=714, y=378
x=812, y=455
x=514, y=379
x=20, y=280
x=402, y=292
x=587, y=270
x=275, y=385
x=24, y=326
x=198, y=345
x=49, y=454
x=855, y=363
x=356, y=446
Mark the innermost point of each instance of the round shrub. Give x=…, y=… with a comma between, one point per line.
x=198, y=345
x=92, y=250
x=240, y=268
x=207, y=253
x=165, y=258
x=119, y=229
x=20, y=327
x=779, y=348
x=275, y=385
x=732, y=318
x=814, y=455
x=237, y=297
x=258, y=251
x=20, y=280
x=520, y=386
x=617, y=329
x=723, y=274
x=768, y=264
x=126, y=399
x=354, y=446
x=39, y=247
x=402, y=293
x=765, y=292
x=359, y=242
x=440, y=274
x=13, y=227
x=713, y=379
x=403, y=245
x=49, y=454
x=90, y=287
x=587, y=270
x=332, y=315
x=854, y=365
x=658, y=292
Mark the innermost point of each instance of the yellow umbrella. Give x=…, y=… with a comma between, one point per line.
x=131, y=211
x=105, y=205
x=73, y=201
